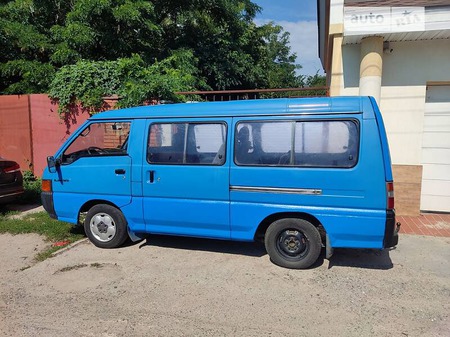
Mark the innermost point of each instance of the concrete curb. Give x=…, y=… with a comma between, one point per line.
x=25, y=210
x=72, y=245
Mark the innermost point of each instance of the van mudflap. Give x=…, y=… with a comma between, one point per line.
x=391, y=230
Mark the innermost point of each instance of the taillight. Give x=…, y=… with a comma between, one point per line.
x=46, y=185
x=390, y=195
x=11, y=169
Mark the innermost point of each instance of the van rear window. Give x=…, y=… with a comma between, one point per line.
x=297, y=143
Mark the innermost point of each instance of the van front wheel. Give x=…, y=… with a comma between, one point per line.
x=106, y=226
x=293, y=243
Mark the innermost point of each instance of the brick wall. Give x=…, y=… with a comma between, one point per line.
x=31, y=129
x=407, y=187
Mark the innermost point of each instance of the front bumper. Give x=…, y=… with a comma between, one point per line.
x=10, y=196
x=391, y=230
x=47, y=202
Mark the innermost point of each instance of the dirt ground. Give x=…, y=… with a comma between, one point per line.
x=189, y=287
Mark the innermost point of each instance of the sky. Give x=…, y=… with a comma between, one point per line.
x=299, y=18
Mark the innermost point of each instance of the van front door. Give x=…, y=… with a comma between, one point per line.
x=186, y=178
x=95, y=166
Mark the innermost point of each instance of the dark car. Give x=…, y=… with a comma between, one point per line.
x=11, y=181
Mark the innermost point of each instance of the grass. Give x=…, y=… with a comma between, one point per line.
x=40, y=223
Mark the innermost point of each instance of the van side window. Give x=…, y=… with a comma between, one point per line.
x=297, y=143
x=187, y=143
x=326, y=144
x=98, y=139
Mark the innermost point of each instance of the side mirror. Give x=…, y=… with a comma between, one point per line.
x=52, y=164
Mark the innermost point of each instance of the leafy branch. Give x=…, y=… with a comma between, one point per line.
x=87, y=82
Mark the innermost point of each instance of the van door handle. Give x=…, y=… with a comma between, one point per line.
x=120, y=171
x=152, y=176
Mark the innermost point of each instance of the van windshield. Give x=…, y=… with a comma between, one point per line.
x=98, y=139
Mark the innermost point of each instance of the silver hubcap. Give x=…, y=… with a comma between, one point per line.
x=103, y=227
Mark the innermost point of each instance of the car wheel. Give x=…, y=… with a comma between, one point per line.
x=106, y=226
x=293, y=243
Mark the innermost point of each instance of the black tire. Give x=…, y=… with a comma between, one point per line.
x=105, y=226
x=293, y=243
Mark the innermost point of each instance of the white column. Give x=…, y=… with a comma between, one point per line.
x=371, y=67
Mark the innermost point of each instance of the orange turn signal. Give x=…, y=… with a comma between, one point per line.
x=46, y=185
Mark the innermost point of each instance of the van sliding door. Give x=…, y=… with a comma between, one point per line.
x=186, y=177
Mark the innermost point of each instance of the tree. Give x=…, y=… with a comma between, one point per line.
x=25, y=47
x=233, y=52
x=43, y=41
x=316, y=81
x=277, y=64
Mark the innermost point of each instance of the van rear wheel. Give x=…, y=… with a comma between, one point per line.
x=293, y=243
x=105, y=226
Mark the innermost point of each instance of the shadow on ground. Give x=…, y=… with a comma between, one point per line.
x=21, y=208
x=228, y=247
x=361, y=258
x=77, y=230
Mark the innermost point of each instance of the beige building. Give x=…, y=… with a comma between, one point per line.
x=398, y=52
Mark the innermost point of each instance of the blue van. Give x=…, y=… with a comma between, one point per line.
x=298, y=174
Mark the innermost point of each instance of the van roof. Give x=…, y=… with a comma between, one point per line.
x=256, y=107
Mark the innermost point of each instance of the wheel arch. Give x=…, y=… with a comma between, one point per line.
x=265, y=223
x=91, y=203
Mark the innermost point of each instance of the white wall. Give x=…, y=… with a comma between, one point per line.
x=336, y=12
x=406, y=72
x=403, y=108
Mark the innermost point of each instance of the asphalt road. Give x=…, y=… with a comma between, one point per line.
x=189, y=287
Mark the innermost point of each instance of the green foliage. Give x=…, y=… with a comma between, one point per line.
x=87, y=82
x=138, y=49
x=32, y=187
x=316, y=81
x=26, y=77
x=277, y=64
x=105, y=30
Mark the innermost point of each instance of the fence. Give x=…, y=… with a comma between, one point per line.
x=31, y=129
x=232, y=95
